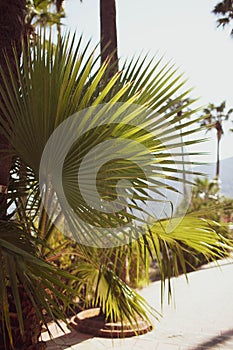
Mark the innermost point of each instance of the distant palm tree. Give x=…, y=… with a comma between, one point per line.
x=206, y=189
x=216, y=115
x=45, y=13
x=224, y=10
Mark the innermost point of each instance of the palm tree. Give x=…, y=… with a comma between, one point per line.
x=224, y=10
x=215, y=116
x=206, y=189
x=51, y=83
x=205, y=195
x=28, y=283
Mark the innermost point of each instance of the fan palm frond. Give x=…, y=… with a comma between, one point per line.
x=171, y=244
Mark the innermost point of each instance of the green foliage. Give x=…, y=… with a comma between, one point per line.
x=207, y=203
x=99, y=285
x=55, y=82
x=21, y=267
x=207, y=200
x=205, y=194
x=193, y=241
x=44, y=12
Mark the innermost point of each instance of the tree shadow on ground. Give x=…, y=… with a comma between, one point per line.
x=217, y=340
x=67, y=340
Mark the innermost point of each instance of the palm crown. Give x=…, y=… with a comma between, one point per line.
x=53, y=83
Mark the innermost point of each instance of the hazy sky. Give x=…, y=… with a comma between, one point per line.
x=183, y=30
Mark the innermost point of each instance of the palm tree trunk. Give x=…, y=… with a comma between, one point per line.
x=218, y=159
x=32, y=325
x=12, y=32
x=59, y=4
x=5, y=166
x=109, y=34
x=219, y=129
x=12, y=29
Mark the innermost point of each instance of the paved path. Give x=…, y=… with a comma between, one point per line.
x=199, y=317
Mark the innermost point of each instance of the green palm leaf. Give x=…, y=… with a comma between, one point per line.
x=192, y=236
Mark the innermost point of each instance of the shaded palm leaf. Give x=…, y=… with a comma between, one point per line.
x=22, y=269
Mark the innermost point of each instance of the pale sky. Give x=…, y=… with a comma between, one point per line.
x=184, y=30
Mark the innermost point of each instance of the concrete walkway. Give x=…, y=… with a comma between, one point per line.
x=199, y=317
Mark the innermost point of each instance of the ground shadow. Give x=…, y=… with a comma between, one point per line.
x=216, y=340
x=66, y=340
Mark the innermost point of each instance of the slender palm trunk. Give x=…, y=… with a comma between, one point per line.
x=183, y=162
x=109, y=34
x=219, y=130
x=218, y=159
x=109, y=50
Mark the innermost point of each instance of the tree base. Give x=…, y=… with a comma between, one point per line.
x=92, y=322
